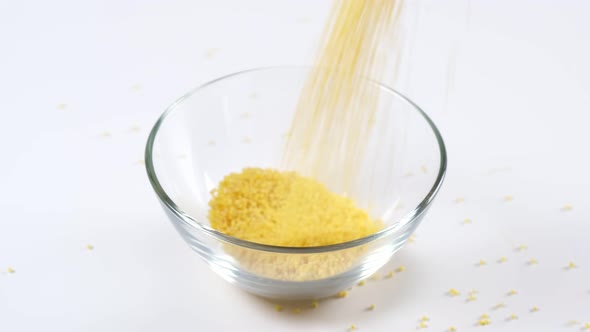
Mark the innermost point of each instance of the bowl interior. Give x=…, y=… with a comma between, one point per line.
x=242, y=121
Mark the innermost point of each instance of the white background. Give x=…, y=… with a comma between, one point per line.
x=506, y=81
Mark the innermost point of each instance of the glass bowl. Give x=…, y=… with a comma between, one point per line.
x=239, y=121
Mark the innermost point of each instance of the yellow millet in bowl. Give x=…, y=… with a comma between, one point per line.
x=286, y=209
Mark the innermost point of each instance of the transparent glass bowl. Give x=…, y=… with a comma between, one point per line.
x=240, y=120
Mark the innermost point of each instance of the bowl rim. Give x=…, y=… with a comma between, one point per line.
x=192, y=223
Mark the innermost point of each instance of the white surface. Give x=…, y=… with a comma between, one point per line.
x=513, y=113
